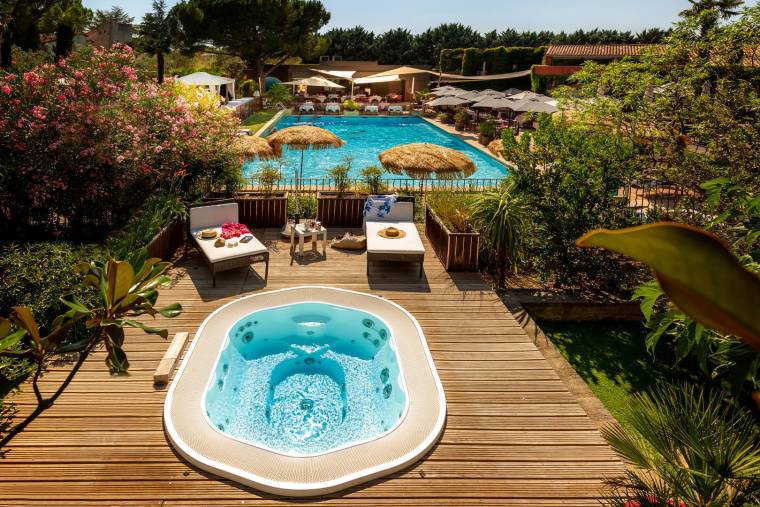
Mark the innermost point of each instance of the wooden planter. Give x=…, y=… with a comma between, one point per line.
x=260, y=210
x=340, y=210
x=168, y=240
x=458, y=251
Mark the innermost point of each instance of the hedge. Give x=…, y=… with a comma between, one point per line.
x=498, y=60
x=542, y=84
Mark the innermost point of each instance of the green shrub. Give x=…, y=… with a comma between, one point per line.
x=302, y=206
x=487, y=128
x=37, y=276
x=278, y=94
x=569, y=176
x=453, y=208
x=502, y=219
x=543, y=84
x=339, y=175
x=372, y=180
x=247, y=87
x=450, y=60
x=268, y=177
x=350, y=105
x=156, y=214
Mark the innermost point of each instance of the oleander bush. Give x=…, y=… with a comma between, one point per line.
x=86, y=140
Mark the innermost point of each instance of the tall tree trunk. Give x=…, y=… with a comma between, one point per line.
x=64, y=41
x=160, y=69
x=5, y=49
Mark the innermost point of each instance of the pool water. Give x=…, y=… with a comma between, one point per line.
x=306, y=379
x=367, y=137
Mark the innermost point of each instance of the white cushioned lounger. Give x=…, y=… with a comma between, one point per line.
x=406, y=249
x=212, y=216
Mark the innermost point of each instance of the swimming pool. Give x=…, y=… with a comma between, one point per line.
x=307, y=378
x=306, y=391
x=368, y=136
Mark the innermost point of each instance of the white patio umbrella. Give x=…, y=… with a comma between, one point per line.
x=512, y=91
x=314, y=81
x=444, y=91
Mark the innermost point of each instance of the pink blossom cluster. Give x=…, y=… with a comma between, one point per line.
x=90, y=128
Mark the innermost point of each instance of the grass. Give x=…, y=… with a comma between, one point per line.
x=610, y=357
x=453, y=208
x=258, y=119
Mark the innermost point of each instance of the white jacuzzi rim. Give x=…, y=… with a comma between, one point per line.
x=225, y=344
x=301, y=489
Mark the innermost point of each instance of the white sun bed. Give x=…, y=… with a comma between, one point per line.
x=406, y=249
x=212, y=216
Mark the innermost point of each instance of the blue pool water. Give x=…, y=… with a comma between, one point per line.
x=367, y=137
x=306, y=379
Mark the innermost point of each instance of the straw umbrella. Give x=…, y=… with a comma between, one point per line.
x=304, y=137
x=255, y=147
x=422, y=160
x=496, y=147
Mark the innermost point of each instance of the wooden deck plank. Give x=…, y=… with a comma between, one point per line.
x=514, y=435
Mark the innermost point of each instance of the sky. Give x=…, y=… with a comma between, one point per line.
x=483, y=15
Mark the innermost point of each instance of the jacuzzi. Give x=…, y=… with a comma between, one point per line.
x=306, y=391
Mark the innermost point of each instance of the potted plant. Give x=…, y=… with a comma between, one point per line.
x=350, y=108
x=446, y=117
x=340, y=207
x=264, y=207
x=372, y=181
x=450, y=230
x=487, y=131
x=461, y=119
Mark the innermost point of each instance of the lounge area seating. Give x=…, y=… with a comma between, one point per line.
x=407, y=247
x=223, y=258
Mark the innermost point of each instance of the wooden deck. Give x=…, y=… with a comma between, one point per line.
x=515, y=435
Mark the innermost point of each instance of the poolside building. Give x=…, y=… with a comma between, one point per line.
x=566, y=59
x=334, y=69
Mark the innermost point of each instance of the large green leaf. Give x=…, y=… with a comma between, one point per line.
x=697, y=272
x=121, y=277
x=22, y=317
x=171, y=310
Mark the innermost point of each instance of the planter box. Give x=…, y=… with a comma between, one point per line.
x=260, y=210
x=167, y=241
x=340, y=210
x=458, y=251
x=567, y=305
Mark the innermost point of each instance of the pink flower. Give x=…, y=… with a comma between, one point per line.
x=6, y=89
x=120, y=159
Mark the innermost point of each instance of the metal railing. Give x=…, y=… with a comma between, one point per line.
x=313, y=185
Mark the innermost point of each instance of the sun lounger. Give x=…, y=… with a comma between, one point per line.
x=406, y=249
x=212, y=216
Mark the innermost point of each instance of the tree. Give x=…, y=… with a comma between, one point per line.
x=428, y=45
x=709, y=11
x=20, y=25
x=351, y=43
x=113, y=15
x=155, y=35
x=394, y=47
x=258, y=31
x=65, y=19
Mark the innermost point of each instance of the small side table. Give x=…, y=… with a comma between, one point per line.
x=300, y=231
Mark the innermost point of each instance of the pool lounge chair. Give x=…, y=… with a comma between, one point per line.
x=212, y=216
x=406, y=249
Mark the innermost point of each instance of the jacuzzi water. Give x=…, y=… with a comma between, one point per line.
x=306, y=379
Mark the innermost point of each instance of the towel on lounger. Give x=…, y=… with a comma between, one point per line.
x=378, y=206
x=233, y=230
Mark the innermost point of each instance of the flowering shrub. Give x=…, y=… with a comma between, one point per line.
x=87, y=139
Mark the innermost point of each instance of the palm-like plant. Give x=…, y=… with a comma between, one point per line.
x=155, y=35
x=502, y=219
x=690, y=447
x=128, y=289
x=709, y=11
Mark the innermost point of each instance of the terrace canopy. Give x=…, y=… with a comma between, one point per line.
x=348, y=75
x=449, y=102
x=214, y=83
x=403, y=71
x=314, y=81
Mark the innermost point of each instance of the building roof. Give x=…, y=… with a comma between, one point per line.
x=595, y=50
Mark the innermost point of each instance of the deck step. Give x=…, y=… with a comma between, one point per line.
x=169, y=361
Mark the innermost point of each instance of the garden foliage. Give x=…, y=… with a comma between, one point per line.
x=84, y=141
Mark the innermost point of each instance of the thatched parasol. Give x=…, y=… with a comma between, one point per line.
x=421, y=160
x=254, y=147
x=305, y=137
x=496, y=147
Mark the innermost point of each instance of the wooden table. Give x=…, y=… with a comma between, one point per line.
x=301, y=231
